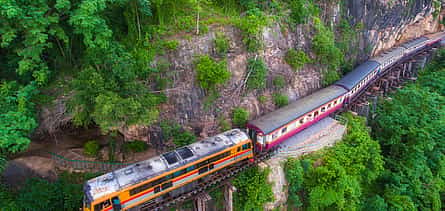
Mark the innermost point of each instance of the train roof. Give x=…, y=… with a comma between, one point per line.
x=414, y=42
x=283, y=116
x=141, y=171
x=436, y=36
x=358, y=74
x=382, y=58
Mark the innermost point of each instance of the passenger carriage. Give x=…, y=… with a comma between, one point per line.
x=273, y=128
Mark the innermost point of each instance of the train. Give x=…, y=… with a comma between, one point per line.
x=178, y=171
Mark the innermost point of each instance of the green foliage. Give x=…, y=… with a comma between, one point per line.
x=221, y=44
x=410, y=127
x=91, y=148
x=251, y=26
x=323, y=45
x=37, y=24
x=174, y=131
x=329, y=77
x=252, y=189
x=169, y=129
x=184, y=138
x=224, y=124
x=294, y=175
x=341, y=176
x=211, y=73
x=16, y=116
x=113, y=111
x=171, y=44
x=279, y=82
x=135, y=146
x=262, y=99
x=302, y=10
x=258, y=74
x=38, y=194
x=296, y=59
x=280, y=100
x=240, y=117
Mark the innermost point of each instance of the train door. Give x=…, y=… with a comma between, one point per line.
x=254, y=137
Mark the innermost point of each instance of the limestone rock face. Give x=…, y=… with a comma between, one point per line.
x=390, y=22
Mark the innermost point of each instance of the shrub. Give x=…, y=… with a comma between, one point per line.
x=251, y=26
x=221, y=43
x=302, y=10
x=279, y=82
x=91, y=148
x=258, y=74
x=171, y=44
x=329, y=77
x=296, y=59
x=240, y=117
x=224, y=124
x=211, y=73
x=169, y=129
x=174, y=130
x=323, y=45
x=253, y=190
x=280, y=100
x=135, y=146
x=183, y=139
x=262, y=99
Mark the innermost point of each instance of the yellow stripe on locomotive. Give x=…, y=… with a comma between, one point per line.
x=238, y=148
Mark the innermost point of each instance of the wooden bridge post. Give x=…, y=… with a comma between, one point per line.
x=228, y=196
x=201, y=202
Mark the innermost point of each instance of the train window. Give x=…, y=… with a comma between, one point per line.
x=191, y=168
x=139, y=189
x=246, y=146
x=211, y=166
x=167, y=185
x=158, y=181
x=283, y=130
x=157, y=189
x=274, y=135
x=239, y=149
x=301, y=120
x=329, y=105
x=316, y=114
x=250, y=145
x=170, y=157
x=179, y=173
x=203, y=170
x=203, y=163
x=335, y=102
x=184, y=152
x=323, y=109
x=102, y=205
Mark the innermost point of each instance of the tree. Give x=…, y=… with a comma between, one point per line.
x=258, y=73
x=16, y=116
x=294, y=176
x=29, y=29
x=252, y=189
x=240, y=117
x=210, y=73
